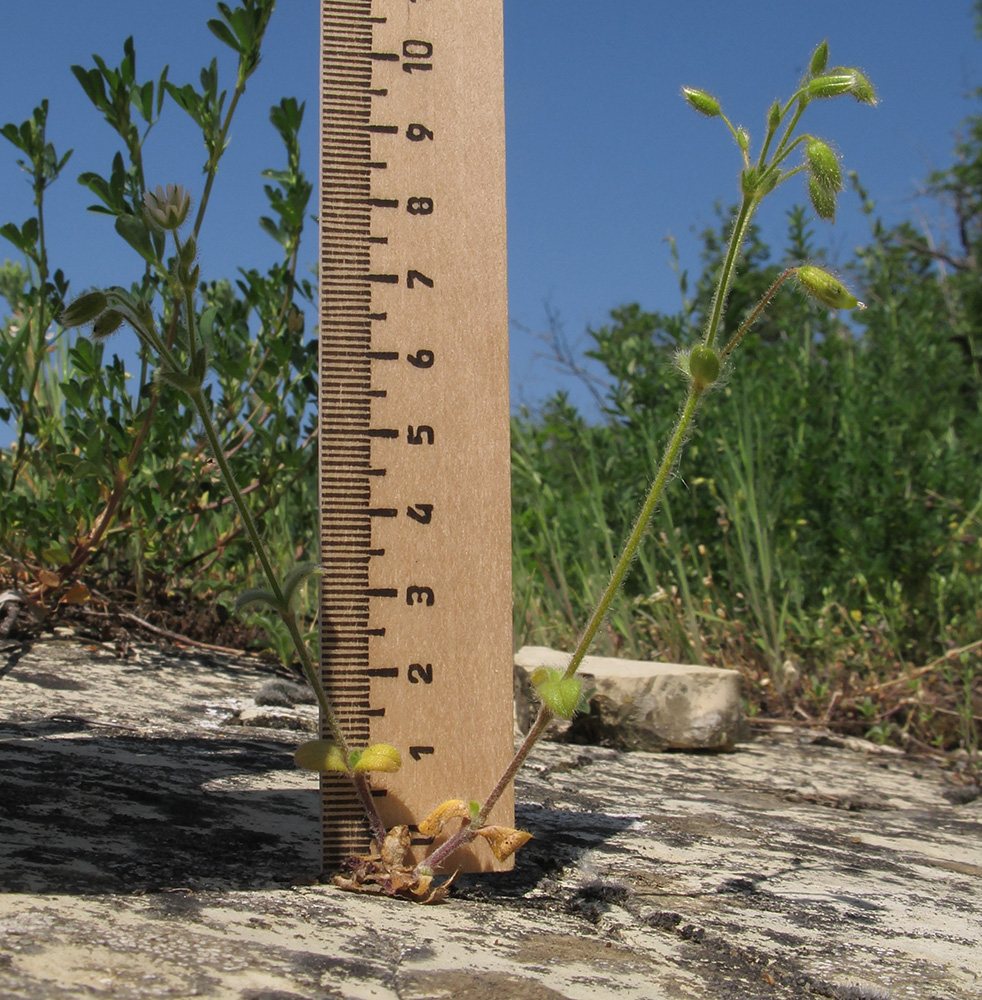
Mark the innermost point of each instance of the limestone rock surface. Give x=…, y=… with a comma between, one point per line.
x=151, y=846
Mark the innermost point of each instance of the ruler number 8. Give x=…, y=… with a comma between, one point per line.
x=419, y=206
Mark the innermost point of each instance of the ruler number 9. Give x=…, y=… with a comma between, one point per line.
x=417, y=133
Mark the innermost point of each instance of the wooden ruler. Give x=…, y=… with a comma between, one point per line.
x=416, y=642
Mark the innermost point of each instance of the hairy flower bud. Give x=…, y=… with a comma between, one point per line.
x=704, y=103
x=167, y=208
x=822, y=286
x=822, y=199
x=863, y=90
x=843, y=80
x=819, y=59
x=84, y=309
x=823, y=164
x=774, y=116
x=832, y=84
x=108, y=323
x=703, y=366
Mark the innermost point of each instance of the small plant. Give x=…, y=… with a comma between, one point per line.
x=701, y=366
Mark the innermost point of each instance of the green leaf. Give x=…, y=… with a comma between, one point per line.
x=255, y=597
x=297, y=576
x=222, y=32
x=136, y=233
x=25, y=238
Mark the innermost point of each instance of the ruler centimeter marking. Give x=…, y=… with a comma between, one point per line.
x=416, y=638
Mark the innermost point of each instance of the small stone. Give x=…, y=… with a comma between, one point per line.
x=640, y=705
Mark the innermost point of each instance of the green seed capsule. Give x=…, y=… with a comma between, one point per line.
x=703, y=366
x=704, y=103
x=822, y=286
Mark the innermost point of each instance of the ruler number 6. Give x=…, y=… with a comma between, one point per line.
x=423, y=358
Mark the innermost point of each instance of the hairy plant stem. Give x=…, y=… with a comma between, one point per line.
x=737, y=235
x=200, y=404
x=20, y=455
x=545, y=716
x=755, y=314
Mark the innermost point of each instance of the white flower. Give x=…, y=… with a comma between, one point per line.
x=167, y=207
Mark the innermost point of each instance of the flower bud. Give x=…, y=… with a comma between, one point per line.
x=108, y=323
x=863, y=90
x=378, y=757
x=819, y=60
x=703, y=366
x=774, y=116
x=561, y=695
x=843, y=80
x=823, y=164
x=704, y=103
x=822, y=286
x=84, y=309
x=167, y=208
x=822, y=199
x=832, y=84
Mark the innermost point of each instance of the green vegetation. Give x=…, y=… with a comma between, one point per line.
x=825, y=537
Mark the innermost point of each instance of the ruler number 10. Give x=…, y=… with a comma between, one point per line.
x=416, y=48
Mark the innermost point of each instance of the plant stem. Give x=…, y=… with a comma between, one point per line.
x=545, y=716
x=737, y=236
x=758, y=309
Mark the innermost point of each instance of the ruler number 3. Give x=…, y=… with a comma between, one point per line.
x=419, y=595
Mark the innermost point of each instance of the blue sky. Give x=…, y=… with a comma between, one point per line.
x=604, y=158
